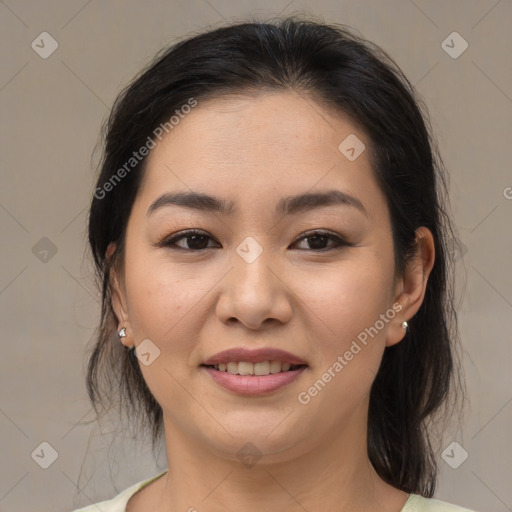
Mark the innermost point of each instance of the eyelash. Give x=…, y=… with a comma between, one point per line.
x=171, y=241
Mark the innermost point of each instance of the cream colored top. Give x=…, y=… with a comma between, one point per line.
x=415, y=502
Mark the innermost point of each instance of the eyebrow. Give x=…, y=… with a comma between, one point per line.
x=286, y=206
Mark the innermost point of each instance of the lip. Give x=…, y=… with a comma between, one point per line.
x=254, y=356
x=254, y=384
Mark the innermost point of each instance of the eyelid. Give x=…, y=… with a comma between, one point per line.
x=170, y=241
x=339, y=240
x=313, y=232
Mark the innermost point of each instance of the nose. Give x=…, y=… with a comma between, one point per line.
x=254, y=294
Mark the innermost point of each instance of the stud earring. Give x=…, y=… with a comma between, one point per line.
x=405, y=325
x=122, y=334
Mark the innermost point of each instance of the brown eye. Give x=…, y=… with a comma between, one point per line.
x=318, y=240
x=194, y=241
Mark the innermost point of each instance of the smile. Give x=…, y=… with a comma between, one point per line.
x=243, y=379
x=258, y=369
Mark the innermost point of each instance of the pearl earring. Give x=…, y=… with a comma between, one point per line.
x=405, y=325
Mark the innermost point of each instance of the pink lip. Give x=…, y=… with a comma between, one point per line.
x=254, y=384
x=253, y=356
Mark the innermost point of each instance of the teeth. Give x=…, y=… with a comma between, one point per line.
x=262, y=368
x=233, y=368
x=275, y=366
x=246, y=368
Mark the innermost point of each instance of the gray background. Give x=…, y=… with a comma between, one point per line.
x=51, y=112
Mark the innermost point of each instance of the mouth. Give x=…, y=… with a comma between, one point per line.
x=258, y=369
x=254, y=371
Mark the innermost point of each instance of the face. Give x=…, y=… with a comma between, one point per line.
x=308, y=277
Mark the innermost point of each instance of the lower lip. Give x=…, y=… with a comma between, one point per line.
x=254, y=384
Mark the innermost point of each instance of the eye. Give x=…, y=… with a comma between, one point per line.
x=196, y=240
x=318, y=239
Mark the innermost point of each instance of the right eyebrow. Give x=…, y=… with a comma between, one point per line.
x=193, y=200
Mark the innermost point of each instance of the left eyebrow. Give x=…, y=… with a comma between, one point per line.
x=286, y=206
x=309, y=201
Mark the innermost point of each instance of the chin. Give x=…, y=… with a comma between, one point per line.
x=257, y=441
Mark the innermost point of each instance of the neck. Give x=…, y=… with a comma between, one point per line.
x=334, y=476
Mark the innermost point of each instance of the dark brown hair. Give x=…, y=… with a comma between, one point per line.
x=354, y=77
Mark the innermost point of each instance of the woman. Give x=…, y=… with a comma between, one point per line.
x=271, y=238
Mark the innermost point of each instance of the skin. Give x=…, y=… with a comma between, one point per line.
x=254, y=150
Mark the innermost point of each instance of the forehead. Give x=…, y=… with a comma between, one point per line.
x=254, y=147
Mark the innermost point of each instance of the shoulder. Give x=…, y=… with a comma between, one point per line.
x=118, y=503
x=417, y=503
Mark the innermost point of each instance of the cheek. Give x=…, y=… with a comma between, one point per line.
x=344, y=302
x=348, y=336
x=157, y=298
x=164, y=305
x=166, y=302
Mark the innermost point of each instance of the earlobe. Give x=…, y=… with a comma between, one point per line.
x=411, y=287
x=397, y=331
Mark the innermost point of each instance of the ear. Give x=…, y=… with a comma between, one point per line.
x=119, y=298
x=410, y=288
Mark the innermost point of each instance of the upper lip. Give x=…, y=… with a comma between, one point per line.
x=253, y=356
